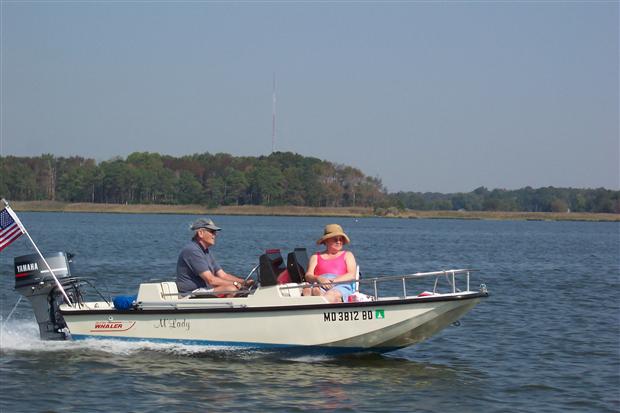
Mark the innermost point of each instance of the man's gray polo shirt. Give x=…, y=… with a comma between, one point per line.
x=194, y=260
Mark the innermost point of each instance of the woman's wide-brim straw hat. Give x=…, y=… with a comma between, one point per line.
x=331, y=231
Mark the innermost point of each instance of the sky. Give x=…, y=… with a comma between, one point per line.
x=427, y=96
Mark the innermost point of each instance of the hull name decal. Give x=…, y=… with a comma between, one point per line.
x=180, y=323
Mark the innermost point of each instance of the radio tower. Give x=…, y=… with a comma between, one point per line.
x=273, y=116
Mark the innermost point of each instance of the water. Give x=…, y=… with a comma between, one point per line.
x=546, y=340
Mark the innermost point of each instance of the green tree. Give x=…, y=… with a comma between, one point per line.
x=215, y=191
x=558, y=205
x=236, y=186
x=77, y=181
x=19, y=181
x=190, y=191
x=117, y=183
x=266, y=184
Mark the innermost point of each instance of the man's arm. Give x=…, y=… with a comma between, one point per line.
x=214, y=280
x=223, y=279
x=228, y=277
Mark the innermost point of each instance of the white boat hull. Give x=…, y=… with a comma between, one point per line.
x=303, y=322
x=269, y=316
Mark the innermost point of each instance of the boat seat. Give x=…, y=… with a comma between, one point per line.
x=296, y=264
x=203, y=293
x=169, y=290
x=270, y=265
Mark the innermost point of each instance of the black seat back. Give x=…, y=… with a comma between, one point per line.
x=297, y=264
x=270, y=266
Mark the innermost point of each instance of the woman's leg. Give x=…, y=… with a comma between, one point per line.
x=333, y=296
x=339, y=293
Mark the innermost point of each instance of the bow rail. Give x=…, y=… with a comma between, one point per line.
x=374, y=283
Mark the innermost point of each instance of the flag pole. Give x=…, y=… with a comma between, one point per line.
x=23, y=229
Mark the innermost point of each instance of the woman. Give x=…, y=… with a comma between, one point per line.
x=332, y=265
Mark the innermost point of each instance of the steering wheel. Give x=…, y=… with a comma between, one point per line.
x=255, y=285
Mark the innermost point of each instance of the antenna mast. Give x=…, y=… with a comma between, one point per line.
x=273, y=116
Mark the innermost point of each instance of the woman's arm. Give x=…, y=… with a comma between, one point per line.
x=349, y=259
x=310, y=277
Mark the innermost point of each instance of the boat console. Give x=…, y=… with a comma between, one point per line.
x=271, y=265
x=297, y=264
x=272, y=270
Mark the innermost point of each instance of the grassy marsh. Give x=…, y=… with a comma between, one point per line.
x=51, y=206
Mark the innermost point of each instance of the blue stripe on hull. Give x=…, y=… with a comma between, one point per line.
x=280, y=348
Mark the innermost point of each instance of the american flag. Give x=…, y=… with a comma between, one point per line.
x=9, y=230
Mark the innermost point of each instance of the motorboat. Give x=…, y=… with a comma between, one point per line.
x=385, y=313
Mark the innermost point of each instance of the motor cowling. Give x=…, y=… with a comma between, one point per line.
x=34, y=281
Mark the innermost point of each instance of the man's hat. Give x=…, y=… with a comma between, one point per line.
x=205, y=223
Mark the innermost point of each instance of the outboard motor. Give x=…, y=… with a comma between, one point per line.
x=34, y=281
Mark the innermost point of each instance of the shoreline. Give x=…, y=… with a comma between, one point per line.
x=353, y=212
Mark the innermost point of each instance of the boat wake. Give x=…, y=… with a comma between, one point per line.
x=18, y=336
x=23, y=336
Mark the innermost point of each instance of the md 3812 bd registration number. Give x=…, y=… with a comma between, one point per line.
x=353, y=315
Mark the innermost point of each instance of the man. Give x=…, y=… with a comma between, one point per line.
x=197, y=268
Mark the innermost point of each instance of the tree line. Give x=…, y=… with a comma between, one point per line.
x=526, y=199
x=282, y=178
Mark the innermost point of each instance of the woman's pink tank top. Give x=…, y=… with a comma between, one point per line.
x=337, y=266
